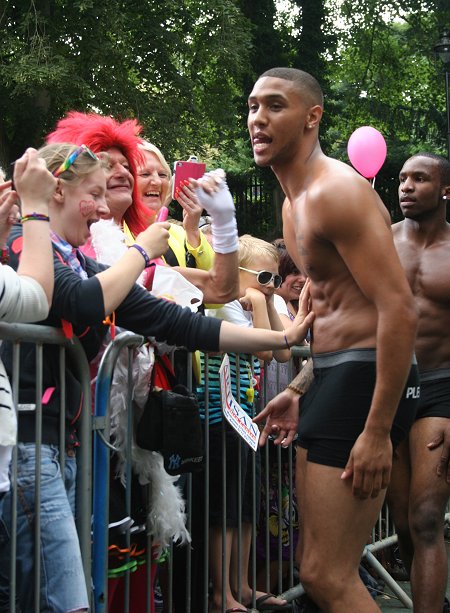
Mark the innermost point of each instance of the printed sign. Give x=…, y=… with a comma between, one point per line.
x=234, y=413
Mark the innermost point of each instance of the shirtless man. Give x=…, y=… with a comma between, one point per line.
x=361, y=402
x=420, y=487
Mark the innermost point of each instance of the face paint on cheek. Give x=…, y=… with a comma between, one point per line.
x=86, y=207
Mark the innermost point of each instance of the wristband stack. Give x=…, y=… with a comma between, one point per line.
x=34, y=217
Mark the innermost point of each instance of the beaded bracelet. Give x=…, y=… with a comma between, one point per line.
x=296, y=389
x=143, y=253
x=34, y=217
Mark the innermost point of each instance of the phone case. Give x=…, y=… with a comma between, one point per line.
x=186, y=170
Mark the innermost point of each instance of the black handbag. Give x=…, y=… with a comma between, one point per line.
x=172, y=426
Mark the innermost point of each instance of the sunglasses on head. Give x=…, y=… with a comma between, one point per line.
x=264, y=277
x=72, y=157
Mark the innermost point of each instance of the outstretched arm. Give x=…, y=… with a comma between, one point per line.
x=251, y=340
x=118, y=280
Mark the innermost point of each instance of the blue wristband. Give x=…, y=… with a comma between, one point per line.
x=143, y=253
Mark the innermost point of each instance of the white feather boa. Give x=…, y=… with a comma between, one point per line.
x=167, y=518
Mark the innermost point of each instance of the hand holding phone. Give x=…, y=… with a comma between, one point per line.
x=183, y=171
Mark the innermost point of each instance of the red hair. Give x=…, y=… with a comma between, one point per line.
x=100, y=134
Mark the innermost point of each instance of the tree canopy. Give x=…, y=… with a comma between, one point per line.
x=185, y=68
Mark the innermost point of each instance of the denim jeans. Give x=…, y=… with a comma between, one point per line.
x=63, y=586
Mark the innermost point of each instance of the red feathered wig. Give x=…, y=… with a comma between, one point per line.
x=100, y=134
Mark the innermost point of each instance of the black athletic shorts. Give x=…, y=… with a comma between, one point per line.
x=434, y=393
x=334, y=410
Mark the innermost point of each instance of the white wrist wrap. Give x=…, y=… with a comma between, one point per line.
x=220, y=207
x=225, y=236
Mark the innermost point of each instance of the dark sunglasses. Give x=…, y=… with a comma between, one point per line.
x=72, y=157
x=264, y=277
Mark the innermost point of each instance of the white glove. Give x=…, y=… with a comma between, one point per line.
x=220, y=206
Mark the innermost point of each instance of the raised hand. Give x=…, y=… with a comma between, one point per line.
x=155, y=239
x=34, y=183
x=304, y=318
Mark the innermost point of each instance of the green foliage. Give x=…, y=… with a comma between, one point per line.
x=185, y=69
x=175, y=66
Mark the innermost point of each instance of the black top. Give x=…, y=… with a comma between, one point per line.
x=80, y=302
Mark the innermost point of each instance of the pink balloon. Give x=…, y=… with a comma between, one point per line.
x=367, y=151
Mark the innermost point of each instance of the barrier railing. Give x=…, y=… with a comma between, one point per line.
x=278, y=535
x=272, y=561
x=41, y=336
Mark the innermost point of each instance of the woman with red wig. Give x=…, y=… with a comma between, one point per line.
x=120, y=140
x=126, y=151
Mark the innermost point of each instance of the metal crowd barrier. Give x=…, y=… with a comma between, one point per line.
x=184, y=577
x=40, y=336
x=269, y=570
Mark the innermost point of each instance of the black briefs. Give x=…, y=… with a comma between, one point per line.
x=334, y=410
x=434, y=393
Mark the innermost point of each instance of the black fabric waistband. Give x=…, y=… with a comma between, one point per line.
x=333, y=358
x=433, y=375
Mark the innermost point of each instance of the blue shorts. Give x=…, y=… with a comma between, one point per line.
x=434, y=393
x=63, y=585
x=333, y=412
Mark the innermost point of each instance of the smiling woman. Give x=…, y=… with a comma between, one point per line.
x=80, y=191
x=187, y=245
x=154, y=178
x=120, y=140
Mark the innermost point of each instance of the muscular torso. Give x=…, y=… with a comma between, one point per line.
x=428, y=273
x=344, y=317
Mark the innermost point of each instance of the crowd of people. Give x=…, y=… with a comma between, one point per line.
x=81, y=245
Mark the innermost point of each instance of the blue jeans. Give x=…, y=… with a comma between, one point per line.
x=63, y=586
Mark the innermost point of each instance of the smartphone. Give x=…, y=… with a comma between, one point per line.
x=183, y=171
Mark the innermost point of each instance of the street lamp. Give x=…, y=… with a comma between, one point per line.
x=442, y=49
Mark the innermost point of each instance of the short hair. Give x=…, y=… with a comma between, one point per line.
x=146, y=145
x=57, y=153
x=442, y=162
x=251, y=247
x=100, y=133
x=286, y=265
x=305, y=82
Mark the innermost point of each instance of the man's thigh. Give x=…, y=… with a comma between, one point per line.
x=336, y=524
x=426, y=486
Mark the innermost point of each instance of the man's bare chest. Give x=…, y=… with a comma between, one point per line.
x=427, y=270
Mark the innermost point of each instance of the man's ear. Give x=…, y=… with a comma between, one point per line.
x=314, y=116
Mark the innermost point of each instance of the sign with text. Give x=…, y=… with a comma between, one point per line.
x=234, y=413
